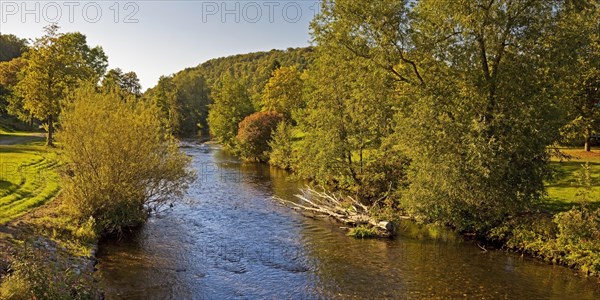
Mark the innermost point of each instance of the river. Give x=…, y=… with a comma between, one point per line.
x=228, y=239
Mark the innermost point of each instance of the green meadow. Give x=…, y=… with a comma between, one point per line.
x=28, y=177
x=564, y=188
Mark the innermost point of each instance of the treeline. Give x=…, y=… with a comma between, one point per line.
x=446, y=109
x=254, y=68
x=12, y=48
x=186, y=96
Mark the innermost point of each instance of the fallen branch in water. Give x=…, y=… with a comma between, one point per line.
x=482, y=248
x=344, y=209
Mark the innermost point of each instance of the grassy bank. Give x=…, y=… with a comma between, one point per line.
x=566, y=182
x=43, y=250
x=28, y=177
x=566, y=227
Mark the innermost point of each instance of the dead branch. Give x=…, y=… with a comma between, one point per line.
x=344, y=209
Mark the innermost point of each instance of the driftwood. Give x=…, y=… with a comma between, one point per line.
x=344, y=209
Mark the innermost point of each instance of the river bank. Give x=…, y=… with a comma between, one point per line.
x=45, y=252
x=563, y=228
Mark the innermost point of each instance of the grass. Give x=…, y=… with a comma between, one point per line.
x=28, y=180
x=47, y=249
x=362, y=232
x=4, y=129
x=564, y=186
x=28, y=177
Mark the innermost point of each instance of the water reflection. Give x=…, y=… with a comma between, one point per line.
x=231, y=240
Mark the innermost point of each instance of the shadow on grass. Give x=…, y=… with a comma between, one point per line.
x=19, y=139
x=5, y=185
x=20, y=149
x=556, y=206
x=564, y=174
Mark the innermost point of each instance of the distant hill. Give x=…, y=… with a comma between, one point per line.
x=253, y=68
x=188, y=92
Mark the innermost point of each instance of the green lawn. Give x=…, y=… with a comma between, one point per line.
x=562, y=189
x=28, y=176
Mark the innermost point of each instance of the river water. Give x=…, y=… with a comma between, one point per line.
x=229, y=239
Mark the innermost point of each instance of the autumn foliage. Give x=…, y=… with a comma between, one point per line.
x=254, y=133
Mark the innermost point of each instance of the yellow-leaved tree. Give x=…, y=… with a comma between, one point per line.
x=121, y=161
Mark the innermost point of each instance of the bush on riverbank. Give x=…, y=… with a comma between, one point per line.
x=254, y=135
x=579, y=238
x=121, y=162
x=42, y=273
x=571, y=238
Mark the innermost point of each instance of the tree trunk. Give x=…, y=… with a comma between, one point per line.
x=588, y=134
x=50, y=138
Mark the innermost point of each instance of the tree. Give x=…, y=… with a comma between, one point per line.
x=11, y=47
x=282, y=151
x=121, y=162
x=128, y=82
x=586, y=104
x=578, y=35
x=254, y=135
x=55, y=65
x=231, y=104
x=9, y=102
x=193, y=98
x=283, y=92
x=184, y=99
x=475, y=110
x=348, y=113
x=164, y=95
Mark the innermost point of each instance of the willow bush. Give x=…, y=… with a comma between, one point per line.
x=121, y=161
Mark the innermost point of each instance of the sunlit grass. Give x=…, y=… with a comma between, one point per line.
x=28, y=178
x=564, y=187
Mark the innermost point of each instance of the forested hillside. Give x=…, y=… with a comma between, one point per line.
x=253, y=68
x=187, y=93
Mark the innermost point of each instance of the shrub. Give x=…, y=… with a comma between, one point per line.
x=43, y=274
x=254, y=134
x=120, y=161
x=362, y=232
x=281, y=146
x=571, y=238
x=384, y=174
x=579, y=238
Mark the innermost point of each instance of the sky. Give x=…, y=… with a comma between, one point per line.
x=155, y=38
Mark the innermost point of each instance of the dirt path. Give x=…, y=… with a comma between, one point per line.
x=9, y=139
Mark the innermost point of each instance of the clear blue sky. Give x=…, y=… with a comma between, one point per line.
x=155, y=38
